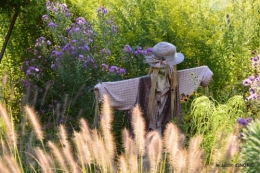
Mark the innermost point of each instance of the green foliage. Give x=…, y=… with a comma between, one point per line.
x=207, y=118
x=250, y=148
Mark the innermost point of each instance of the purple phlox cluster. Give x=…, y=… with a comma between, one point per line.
x=52, y=24
x=88, y=33
x=53, y=66
x=39, y=41
x=248, y=81
x=244, y=121
x=58, y=7
x=56, y=53
x=105, y=51
x=80, y=21
x=48, y=42
x=102, y=10
x=68, y=47
x=138, y=51
x=114, y=69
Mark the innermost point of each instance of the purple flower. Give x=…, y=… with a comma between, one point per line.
x=87, y=48
x=112, y=69
x=25, y=82
x=51, y=24
x=80, y=21
x=149, y=50
x=128, y=49
x=27, y=63
x=121, y=71
x=48, y=42
x=247, y=82
x=81, y=56
x=35, y=52
x=106, y=66
x=252, y=96
x=55, y=101
x=40, y=90
x=251, y=90
x=73, y=41
x=52, y=66
x=45, y=17
x=251, y=78
x=28, y=72
x=39, y=56
x=113, y=28
x=90, y=40
x=105, y=51
x=243, y=121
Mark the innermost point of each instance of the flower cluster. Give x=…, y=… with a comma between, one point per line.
x=56, y=8
x=102, y=10
x=253, y=81
x=137, y=51
x=114, y=69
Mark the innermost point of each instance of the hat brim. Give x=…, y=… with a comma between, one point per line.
x=176, y=60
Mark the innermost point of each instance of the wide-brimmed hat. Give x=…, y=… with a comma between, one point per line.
x=164, y=54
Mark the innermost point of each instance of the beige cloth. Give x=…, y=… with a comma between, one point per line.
x=122, y=94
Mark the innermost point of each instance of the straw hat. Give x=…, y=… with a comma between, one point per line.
x=164, y=55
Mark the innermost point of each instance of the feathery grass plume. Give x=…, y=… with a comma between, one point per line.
x=172, y=141
x=179, y=162
x=138, y=129
x=3, y=167
x=99, y=151
x=195, y=155
x=84, y=155
x=232, y=147
x=67, y=148
x=32, y=116
x=154, y=150
x=12, y=164
x=10, y=132
x=122, y=164
x=131, y=154
x=44, y=160
x=106, y=120
x=85, y=139
x=59, y=156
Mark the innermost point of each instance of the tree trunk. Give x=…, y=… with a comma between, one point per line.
x=8, y=34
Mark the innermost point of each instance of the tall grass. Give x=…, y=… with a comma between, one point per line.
x=93, y=150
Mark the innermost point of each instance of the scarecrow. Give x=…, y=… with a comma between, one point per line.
x=158, y=94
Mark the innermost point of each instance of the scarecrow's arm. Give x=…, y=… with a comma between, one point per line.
x=191, y=79
x=122, y=94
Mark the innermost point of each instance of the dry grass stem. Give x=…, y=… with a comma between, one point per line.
x=33, y=118
x=138, y=129
x=84, y=155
